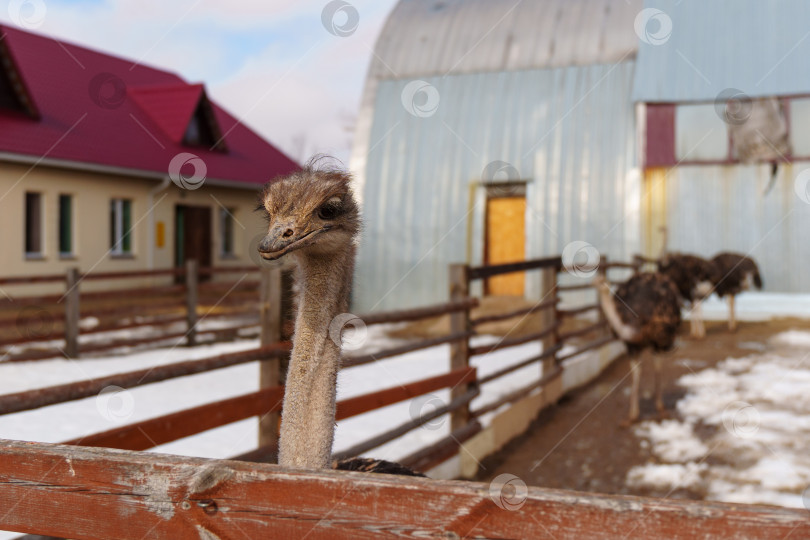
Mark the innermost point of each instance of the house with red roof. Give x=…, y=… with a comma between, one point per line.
x=107, y=164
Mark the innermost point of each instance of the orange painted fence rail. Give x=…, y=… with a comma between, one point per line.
x=103, y=494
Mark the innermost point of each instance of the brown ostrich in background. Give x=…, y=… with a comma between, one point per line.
x=695, y=278
x=312, y=216
x=735, y=273
x=645, y=313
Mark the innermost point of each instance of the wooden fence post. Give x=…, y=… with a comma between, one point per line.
x=270, y=292
x=459, y=350
x=548, y=291
x=602, y=270
x=192, y=282
x=72, y=313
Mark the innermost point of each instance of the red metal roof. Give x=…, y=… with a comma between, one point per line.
x=100, y=109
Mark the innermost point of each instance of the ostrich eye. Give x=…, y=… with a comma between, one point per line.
x=331, y=209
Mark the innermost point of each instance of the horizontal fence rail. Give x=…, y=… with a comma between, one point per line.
x=46, y=490
x=564, y=332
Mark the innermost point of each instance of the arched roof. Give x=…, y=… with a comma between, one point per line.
x=429, y=37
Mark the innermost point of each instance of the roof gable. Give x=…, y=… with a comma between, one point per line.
x=102, y=110
x=13, y=93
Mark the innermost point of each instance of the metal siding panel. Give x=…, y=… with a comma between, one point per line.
x=722, y=208
x=569, y=131
x=757, y=46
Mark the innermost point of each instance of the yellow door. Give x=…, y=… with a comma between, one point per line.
x=506, y=242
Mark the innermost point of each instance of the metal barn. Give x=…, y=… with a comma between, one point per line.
x=492, y=131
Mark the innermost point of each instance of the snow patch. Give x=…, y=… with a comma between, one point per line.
x=753, y=414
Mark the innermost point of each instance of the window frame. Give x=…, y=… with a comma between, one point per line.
x=661, y=131
x=121, y=241
x=40, y=227
x=226, y=233
x=71, y=237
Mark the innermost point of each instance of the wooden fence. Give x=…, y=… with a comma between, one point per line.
x=51, y=325
x=104, y=494
x=76, y=491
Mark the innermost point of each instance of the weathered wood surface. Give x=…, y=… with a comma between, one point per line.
x=577, y=311
x=598, y=325
x=514, y=367
x=171, y=427
x=400, y=430
x=482, y=272
x=516, y=313
x=72, y=308
x=519, y=393
x=587, y=347
x=404, y=315
x=382, y=398
x=513, y=342
x=359, y=360
x=85, y=493
x=432, y=455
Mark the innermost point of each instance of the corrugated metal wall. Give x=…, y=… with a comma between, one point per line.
x=714, y=207
x=570, y=133
x=759, y=47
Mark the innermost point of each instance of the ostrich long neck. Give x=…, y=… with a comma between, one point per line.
x=308, y=418
x=626, y=332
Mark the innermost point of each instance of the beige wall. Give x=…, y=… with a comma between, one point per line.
x=91, y=228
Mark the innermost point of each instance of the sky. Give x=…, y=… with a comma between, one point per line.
x=294, y=70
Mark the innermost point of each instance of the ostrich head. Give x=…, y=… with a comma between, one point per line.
x=312, y=210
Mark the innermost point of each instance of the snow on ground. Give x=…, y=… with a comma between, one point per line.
x=745, y=433
x=117, y=408
x=758, y=306
x=82, y=417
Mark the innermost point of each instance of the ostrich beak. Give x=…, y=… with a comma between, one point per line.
x=283, y=239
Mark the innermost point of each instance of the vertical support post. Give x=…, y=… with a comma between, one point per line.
x=72, y=313
x=192, y=292
x=270, y=290
x=553, y=389
x=459, y=350
x=602, y=270
x=548, y=291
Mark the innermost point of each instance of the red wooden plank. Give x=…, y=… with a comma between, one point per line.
x=376, y=400
x=76, y=492
x=171, y=427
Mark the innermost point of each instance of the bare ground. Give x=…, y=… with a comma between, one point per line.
x=579, y=443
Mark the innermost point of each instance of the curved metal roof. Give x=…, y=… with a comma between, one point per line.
x=429, y=37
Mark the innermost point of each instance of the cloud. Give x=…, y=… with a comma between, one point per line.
x=269, y=62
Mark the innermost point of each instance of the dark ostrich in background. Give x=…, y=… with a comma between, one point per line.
x=735, y=273
x=645, y=313
x=695, y=278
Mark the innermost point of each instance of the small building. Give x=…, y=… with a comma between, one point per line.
x=492, y=131
x=108, y=165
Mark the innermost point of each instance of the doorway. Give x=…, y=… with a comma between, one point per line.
x=505, y=237
x=193, y=236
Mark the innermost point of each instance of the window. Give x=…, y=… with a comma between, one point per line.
x=33, y=224
x=120, y=226
x=203, y=129
x=799, y=129
x=226, y=220
x=199, y=132
x=65, y=225
x=700, y=134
